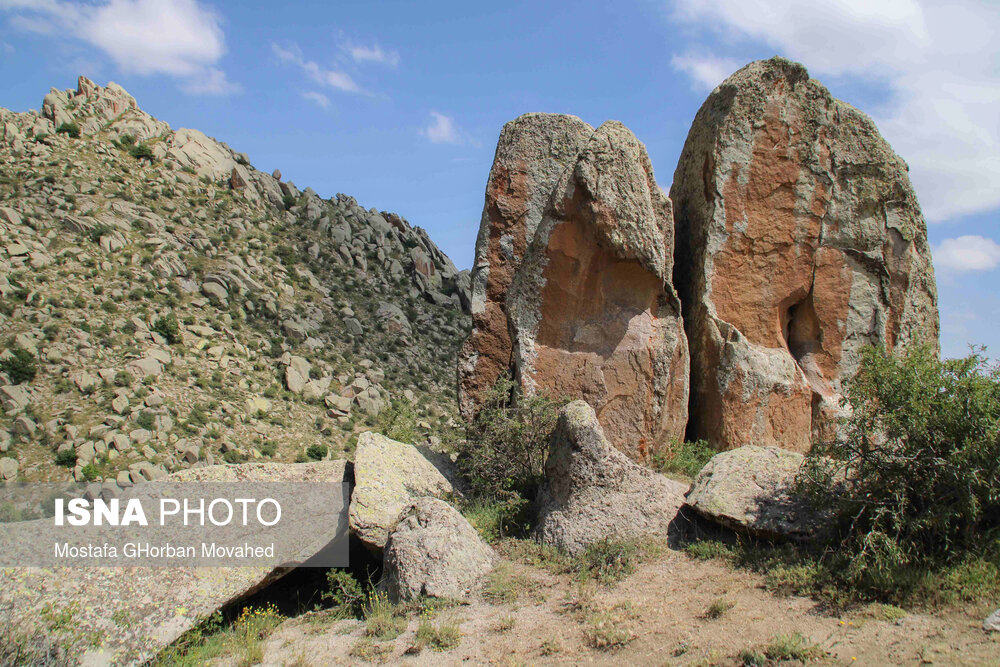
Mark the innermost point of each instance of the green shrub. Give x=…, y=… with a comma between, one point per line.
x=234, y=456
x=398, y=422
x=66, y=457
x=317, y=452
x=686, y=459
x=90, y=472
x=438, y=637
x=288, y=201
x=609, y=560
x=344, y=593
x=142, y=152
x=496, y=519
x=914, y=480
x=71, y=128
x=126, y=140
x=20, y=367
x=168, y=327
x=708, y=550
x=269, y=449
x=503, y=454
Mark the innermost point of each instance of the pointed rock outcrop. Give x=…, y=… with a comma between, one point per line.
x=594, y=492
x=799, y=241
x=572, y=287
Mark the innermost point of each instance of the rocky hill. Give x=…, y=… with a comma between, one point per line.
x=166, y=305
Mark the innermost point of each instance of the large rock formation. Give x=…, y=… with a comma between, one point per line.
x=799, y=241
x=572, y=284
x=594, y=492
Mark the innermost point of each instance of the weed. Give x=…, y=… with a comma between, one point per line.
x=718, y=608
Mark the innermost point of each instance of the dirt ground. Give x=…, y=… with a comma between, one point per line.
x=660, y=613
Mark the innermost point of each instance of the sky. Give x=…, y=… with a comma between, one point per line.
x=400, y=104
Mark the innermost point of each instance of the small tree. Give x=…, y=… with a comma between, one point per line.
x=503, y=455
x=914, y=480
x=142, y=152
x=20, y=367
x=168, y=327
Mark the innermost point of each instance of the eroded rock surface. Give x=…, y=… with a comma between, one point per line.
x=594, y=492
x=572, y=284
x=434, y=551
x=799, y=241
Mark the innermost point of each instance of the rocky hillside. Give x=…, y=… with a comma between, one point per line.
x=166, y=305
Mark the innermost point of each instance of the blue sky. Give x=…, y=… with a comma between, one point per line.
x=400, y=103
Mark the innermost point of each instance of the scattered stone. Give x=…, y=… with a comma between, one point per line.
x=8, y=468
x=992, y=622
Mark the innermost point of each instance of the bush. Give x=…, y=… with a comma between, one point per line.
x=142, y=152
x=127, y=140
x=71, y=128
x=20, y=367
x=90, y=472
x=344, y=593
x=686, y=459
x=914, y=479
x=168, y=327
x=316, y=452
x=398, y=422
x=503, y=455
x=66, y=457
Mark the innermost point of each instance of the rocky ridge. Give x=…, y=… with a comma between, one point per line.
x=181, y=308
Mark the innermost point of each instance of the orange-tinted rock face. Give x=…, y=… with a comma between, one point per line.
x=532, y=153
x=581, y=289
x=800, y=242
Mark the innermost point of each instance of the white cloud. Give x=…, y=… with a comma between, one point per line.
x=442, y=130
x=967, y=253
x=179, y=38
x=706, y=72
x=317, y=98
x=210, y=82
x=936, y=61
x=372, y=54
x=321, y=75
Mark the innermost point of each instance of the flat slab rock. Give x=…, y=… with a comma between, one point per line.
x=155, y=605
x=749, y=489
x=434, y=551
x=387, y=476
x=595, y=492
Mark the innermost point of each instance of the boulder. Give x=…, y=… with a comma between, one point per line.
x=434, y=552
x=572, y=288
x=14, y=397
x=297, y=374
x=8, y=468
x=387, y=476
x=799, y=242
x=750, y=489
x=992, y=622
x=594, y=492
